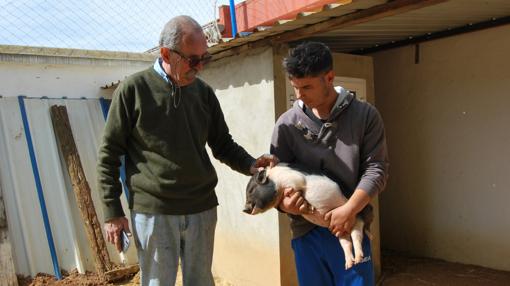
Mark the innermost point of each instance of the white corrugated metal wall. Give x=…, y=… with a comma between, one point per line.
x=30, y=245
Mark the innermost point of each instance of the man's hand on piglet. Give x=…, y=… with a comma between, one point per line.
x=294, y=203
x=266, y=160
x=341, y=220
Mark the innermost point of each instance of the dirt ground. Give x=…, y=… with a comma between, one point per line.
x=91, y=279
x=73, y=278
x=398, y=270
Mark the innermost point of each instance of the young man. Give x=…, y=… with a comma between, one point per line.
x=161, y=119
x=330, y=131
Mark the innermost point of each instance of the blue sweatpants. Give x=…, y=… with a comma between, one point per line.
x=320, y=261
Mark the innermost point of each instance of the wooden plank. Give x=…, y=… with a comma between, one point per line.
x=121, y=273
x=286, y=25
x=7, y=271
x=241, y=49
x=65, y=139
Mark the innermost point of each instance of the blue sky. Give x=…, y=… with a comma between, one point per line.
x=97, y=25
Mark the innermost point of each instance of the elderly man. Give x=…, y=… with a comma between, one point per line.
x=328, y=130
x=160, y=119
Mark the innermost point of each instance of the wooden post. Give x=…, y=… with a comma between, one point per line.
x=7, y=272
x=64, y=135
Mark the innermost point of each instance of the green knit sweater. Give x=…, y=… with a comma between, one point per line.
x=168, y=170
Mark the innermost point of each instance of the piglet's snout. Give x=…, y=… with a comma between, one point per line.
x=248, y=208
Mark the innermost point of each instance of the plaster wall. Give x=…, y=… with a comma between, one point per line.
x=246, y=247
x=447, y=124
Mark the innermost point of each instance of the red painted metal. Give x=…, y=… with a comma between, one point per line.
x=255, y=13
x=225, y=21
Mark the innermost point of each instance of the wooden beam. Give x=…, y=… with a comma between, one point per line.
x=241, y=49
x=81, y=188
x=121, y=273
x=7, y=272
x=374, y=13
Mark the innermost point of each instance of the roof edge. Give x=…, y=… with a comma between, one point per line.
x=74, y=53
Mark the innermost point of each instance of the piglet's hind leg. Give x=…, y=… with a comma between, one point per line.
x=345, y=242
x=357, y=240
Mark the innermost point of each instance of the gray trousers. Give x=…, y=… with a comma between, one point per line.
x=162, y=239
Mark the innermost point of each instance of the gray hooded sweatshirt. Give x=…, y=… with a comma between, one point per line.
x=349, y=147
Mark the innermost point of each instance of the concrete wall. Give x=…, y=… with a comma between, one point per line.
x=447, y=122
x=56, y=73
x=246, y=247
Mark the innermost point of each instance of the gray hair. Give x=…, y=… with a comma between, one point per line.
x=174, y=30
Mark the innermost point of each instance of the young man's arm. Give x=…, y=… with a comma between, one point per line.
x=374, y=170
x=342, y=219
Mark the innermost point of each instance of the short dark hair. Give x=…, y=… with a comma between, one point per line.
x=308, y=59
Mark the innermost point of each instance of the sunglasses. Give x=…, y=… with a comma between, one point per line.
x=194, y=61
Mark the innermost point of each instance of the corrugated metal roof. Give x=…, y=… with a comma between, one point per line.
x=26, y=227
x=303, y=19
x=434, y=16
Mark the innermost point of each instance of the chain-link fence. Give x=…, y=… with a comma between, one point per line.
x=112, y=25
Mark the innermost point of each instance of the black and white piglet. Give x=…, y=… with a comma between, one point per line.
x=265, y=191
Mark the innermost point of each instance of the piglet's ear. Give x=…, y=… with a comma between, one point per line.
x=261, y=177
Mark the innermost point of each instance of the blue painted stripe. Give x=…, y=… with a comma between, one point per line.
x=38, y=185
x=105, y=106
x=233, y=20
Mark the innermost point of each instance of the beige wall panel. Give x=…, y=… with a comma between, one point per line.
x=246, y=247
x=447, y=119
